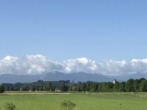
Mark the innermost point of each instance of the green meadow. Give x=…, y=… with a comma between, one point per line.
x=83, y=101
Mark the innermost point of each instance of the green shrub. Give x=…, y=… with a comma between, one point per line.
x=67, y=105
x=9, y=106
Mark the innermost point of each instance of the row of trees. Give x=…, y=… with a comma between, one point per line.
x=137, y=85
x=40, y=85
x=21, y=87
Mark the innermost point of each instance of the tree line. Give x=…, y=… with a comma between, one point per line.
x=131, y=85
x=137, y=85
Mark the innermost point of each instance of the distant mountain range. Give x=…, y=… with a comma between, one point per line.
x=56, y=76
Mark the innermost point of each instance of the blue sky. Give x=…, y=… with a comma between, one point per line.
x=68, y=29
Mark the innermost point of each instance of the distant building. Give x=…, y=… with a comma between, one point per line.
x=114, y=81
x=57, y=90
x=20, y=89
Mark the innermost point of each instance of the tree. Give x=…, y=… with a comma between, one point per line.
x=136, y=85
x=41, y=88
x=78, y=88
x=2, y=89
x=122, y=87
x=83, y=86
x=143, y=86
x=106, y=87
x=11, y=89
x=88, y=86
x=129, y=85
x=49, y=86
x=116, y=87
x=33, y=88
x=73, y=88
x=64, y=88
x=100, y=87
x=93, y=86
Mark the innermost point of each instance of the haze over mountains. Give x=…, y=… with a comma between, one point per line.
x=56, y=76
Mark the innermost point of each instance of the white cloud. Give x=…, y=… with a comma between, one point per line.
x=30, y=64
x=39, y=64
x=80, y=65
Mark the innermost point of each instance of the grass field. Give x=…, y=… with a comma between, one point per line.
x=83, y=101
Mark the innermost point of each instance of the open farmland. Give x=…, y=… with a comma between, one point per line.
x=83, y=101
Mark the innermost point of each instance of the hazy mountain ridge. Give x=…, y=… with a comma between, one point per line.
x=55, y=76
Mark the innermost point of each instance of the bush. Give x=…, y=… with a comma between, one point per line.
x=67, y=105
x=9, y=106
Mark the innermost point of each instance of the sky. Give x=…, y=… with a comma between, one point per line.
x=61, y=33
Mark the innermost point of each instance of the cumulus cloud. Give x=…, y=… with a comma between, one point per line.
x=39, y=64
x=30, y=64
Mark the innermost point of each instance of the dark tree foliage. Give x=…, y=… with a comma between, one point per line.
x=136, y=85
x=48, y=87
x=109, y=87
x=73, y=88
x=2, y=89
x=100, y=87
x=83, y=86
x=129, y=85
x=106, y=87
x=122, y=87
x=143, y=86
x=33, y=88
x=94, y=87
x=40, y=88
x=64, y=88
x=116, y=87
x=78, y=88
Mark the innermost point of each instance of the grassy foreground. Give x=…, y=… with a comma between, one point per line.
x=83, y=101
